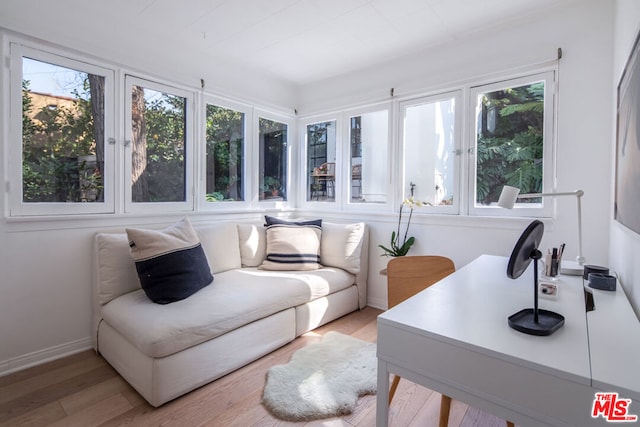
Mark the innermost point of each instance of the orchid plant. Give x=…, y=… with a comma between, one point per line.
x=398, y=247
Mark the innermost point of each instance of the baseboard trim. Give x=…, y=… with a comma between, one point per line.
x=378, y=303
x=39, y=357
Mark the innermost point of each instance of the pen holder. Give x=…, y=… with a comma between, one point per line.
x=549, y=268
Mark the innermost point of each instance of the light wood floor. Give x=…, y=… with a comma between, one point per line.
x=83, y=390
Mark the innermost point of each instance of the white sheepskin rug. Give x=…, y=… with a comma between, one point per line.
x=322, y=380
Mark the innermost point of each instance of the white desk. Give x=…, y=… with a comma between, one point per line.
x=454, y=338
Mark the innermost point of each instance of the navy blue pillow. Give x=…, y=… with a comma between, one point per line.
x=171, y=263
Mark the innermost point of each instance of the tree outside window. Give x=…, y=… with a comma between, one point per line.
x=158, y=130
x=510, y=141
x=62, y=135
x=225, y=154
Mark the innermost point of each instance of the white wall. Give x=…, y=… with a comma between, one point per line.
x=46, y=267
x=584, y=31
x=625, y=244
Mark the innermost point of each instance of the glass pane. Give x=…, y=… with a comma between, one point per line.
x=225, y=154
x=157, y=146
x=429, y=145
x=273, y=160
x=368, y=136
x=321, y=161
x=62, y=134
x=509, y=141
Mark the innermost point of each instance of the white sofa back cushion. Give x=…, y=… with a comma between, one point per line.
x=221, y=245
x=341, y=245
x=253, y=244
x=115, y=269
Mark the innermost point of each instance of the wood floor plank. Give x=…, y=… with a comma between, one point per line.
x=38, y=370
x=78, y=401
x=245, y=412
x=407, y=401
x=96, y=414
x=47, y=378
x=457, y=412
x=475, y=417
x=428, y=414
x=41, y=416
x=27, y=402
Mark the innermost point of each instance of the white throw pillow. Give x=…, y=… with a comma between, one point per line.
x=292, y=247
x=253, y=244
x=341, y=245
x=115, y=273
x=220, y=244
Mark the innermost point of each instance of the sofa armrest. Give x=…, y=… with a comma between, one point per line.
x=363, y=274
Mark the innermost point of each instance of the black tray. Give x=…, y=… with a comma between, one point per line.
x=524, y=321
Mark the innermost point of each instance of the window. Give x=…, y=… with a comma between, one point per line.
x=62, y=112
x=225, y=145
x=273, y=149
x=431, y=150
x=321, y=161
x=369, y=157
x=158, y=140
x=513, y=137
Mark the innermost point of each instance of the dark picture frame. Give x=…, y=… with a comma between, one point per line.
x=627, y=188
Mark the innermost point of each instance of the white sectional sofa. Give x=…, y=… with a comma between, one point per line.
x=166, y=350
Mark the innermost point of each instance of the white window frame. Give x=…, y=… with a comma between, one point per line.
x=344, y=169
x=17, y=207
x=255, y=160
x=402, y=187
x=546, y=208
x=188, y=203
x=304, y=182
x=202, y=203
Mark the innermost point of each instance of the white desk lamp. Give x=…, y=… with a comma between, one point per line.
x=508, y=198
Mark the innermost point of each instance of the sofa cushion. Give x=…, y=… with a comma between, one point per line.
x=115, y=271
x=171, y=263
x=253, y=244
x=220, y=244
x=292, y=247
x=234, y=299
x=341, y=245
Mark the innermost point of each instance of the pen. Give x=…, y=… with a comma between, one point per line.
x=554, y=262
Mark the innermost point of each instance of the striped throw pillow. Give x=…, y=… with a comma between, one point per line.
x=171, y=263
x=292, y=247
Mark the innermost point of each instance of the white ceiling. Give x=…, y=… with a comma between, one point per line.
x=297, y=41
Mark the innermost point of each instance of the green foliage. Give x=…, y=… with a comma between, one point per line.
x=225, y=146
x=215, y=197
x=395, y=249
x=511, y=153
x=56, y=143
x=165, y=116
